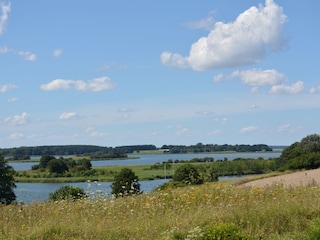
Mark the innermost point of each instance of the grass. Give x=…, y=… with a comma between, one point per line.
x=219, y=210
x=144, y=172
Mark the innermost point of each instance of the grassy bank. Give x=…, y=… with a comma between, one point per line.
x=144, y=172
x=211, y=210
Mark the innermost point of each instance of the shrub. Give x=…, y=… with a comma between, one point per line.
x=125, y=183
x=67, y=192
x=223, y=231
x=188, y=174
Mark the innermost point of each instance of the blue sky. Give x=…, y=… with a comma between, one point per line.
x=114, y=73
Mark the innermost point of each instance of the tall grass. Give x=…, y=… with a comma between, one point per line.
x=210, y=211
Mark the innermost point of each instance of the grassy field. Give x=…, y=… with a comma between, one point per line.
x=222, y=210
x=104, y=174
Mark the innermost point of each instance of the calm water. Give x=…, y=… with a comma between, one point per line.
x=39, y=192
x=159, y=158
x=28, y=192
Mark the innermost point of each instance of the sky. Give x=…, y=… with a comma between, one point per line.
x=114, y=73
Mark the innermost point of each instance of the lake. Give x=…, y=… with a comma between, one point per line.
x=29, y=192
x=39, y=192
x=141, y=159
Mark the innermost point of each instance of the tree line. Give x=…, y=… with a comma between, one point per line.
x=24, y=152
x=21, y=153
x=201, y=148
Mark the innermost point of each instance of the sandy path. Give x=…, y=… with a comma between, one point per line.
x=291, y=179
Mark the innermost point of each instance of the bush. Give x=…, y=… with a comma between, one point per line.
x=187, y=174
x=125, y=183
x=223, y=231
x=67, y=192
x=57, y=166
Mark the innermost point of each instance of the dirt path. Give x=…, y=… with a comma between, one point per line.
x=310, y=177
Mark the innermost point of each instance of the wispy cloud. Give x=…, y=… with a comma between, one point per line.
x=57, y=52
x=17, y=119
x=258, y=77
x=68, y=115
x=285, y=89
x=94, y=85
x=27, y=55
x=10, y=100
x=221, y=120
x=205, y=23
x=257, y=29
x=254, y=77
x=7, y=87
x=15, y=136
x=249, y=129
x=314, y=90
x=282, y=128
x=5, y=9
x=112, y=65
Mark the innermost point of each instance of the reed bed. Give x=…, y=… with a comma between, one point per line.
x=219, y=210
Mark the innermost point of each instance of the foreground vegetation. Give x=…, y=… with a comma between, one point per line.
x=207, y=211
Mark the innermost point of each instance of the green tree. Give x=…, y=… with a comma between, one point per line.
x=57, y=166
x=44, y=160
x=296, y=155
x=125, y=183
x=188, y=174
x=86, y=163
x=7, y=184
x=67, y=192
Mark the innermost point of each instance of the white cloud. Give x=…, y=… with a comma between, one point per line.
x=239, y=43
x=29, y=56
x=253, y=106
x=314, y=90
x=258, y=77
x=68, y=115
x=5, y=9
x=221, y=120
x=254, y=78
x=215, y=132
x=248, y=129
x=112, y=65
x=283, y=128
x=17, y=119
x=95, y=85
x=205, y=113
x=98, y=135
x=57, y=52
x=283, y=89
x=206, y=23
x=6, y=87
x=182, y=131
x=10, y=100
x=219, y=78
x=15, y=136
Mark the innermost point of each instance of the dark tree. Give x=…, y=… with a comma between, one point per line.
x=67, y=192
x=57, y=166
x=125, y=183
x=188, y=174
x=86, y=163
x=303, y=154
x=7, y=184
x=44, y=160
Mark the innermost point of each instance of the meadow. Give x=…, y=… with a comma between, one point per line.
x=101, y=174
x=220, y=210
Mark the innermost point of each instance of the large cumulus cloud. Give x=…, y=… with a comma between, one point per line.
x=245, y=41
